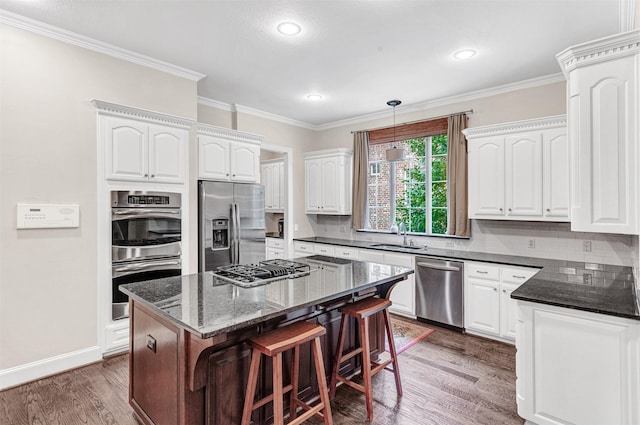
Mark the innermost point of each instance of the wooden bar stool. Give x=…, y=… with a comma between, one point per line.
x=363, y=310
x=273, y=344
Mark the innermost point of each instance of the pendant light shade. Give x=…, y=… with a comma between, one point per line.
x=394, y=154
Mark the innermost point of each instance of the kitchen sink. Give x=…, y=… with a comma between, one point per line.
x=394, y=246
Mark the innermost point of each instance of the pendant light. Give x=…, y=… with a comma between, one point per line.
x=394, y=154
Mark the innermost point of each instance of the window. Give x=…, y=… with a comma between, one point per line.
x=413, y=191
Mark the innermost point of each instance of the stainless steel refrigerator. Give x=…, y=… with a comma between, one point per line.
x=231, y=227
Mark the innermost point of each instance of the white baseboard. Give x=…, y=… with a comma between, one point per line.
x=50, y=366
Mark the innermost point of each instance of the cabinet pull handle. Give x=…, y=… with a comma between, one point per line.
x=481, y=272
x=518, y=277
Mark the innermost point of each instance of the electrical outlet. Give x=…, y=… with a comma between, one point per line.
x=586, y=246
x=586, y=278
x=449, y=244
x=532, y=243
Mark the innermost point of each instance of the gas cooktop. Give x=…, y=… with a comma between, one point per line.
x=265, y=272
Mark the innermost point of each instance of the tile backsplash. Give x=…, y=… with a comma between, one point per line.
x=531, y=239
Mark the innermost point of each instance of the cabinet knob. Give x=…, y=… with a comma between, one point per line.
x=504, y=290
x=146, y=175
x=509, y=209
x=153, y=175
x=495, y=289
x=234, y=175
x=500, y=209
x=548, y=210
x=227, y=174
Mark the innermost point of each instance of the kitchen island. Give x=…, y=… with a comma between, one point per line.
x=188, y=357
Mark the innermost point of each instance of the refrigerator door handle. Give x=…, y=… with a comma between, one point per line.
x=235, y=234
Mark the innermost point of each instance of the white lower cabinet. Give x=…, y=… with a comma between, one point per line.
x=489, y=310
x=303, y=249
x=403, y=295
x=275, y=248
x=576, y=367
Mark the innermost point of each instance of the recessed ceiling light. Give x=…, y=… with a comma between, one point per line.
x=289, y=28
x=464, y=54
x=314, y=97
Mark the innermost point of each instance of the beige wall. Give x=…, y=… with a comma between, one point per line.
x=48, y=290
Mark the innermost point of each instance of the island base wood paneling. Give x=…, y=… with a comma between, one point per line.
x=178, y=378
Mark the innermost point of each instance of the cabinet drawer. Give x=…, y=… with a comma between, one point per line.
x=483, y=271
x=346, y=252
x=517, y=275
x=303, y=247
x=275, y=243
x=321, y=249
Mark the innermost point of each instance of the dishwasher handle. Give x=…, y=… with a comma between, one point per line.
x=437, y=266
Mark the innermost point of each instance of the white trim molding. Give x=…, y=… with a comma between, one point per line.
x=537, y=124
x=215, y=104
x=37, y=27
x=115, y=109
x=230, y=134
x=603, y=49
x=53, y=365
x=273, y=117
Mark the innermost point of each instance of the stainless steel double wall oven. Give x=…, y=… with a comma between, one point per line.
x=146, y=241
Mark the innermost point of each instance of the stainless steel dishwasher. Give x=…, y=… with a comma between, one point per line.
x=439, y=292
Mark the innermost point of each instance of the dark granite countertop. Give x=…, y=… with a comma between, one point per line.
x=598, y=288
x=206, y=306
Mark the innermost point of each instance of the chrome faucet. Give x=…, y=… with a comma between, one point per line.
x=402, y=230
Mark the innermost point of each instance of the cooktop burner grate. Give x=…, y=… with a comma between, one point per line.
x=265, y=272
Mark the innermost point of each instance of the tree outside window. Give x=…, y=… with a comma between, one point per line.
x=420, y=186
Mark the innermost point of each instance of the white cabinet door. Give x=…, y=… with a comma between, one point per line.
x=281, y=186
x=329, y=187
x=272, y=178
x=555, y=170
x=403, y=295
x=486, y=177
x=313, y=185
x=483, y=306
x=603, y=131
x=167, y=154
x=523, y=174
x=508, y=315
x=245, y=162
x=576, y=367
x=213, y=158
x=274, y=253
x=127, y=144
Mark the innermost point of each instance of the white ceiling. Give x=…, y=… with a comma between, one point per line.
x=357, y=54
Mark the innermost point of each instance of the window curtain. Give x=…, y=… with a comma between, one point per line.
x=458, y=218
x=359, y=188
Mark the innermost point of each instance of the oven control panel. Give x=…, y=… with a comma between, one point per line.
x=47, y=216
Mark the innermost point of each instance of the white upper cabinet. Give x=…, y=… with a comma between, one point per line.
x=523, y=168
x=519, y=170
x=603, y=91
x=228, y=155
x=273, y=181
x=142, y=145
x=328, y=182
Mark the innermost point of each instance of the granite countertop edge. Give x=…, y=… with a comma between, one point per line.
x=263, y=318
x=619, y=298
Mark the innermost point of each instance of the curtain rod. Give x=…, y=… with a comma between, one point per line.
x=470, y=111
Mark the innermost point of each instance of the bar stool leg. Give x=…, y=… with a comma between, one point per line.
x=251, y=388
x=336, y=365
x=322, y=382
x=278, y=417
x=392, y=349
x=366, y=366
x=295, y=364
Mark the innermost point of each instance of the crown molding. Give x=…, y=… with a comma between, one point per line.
x=215, y=104
x=535, y=124
x=478, y=94
x=114, y=109
x=273, y=117
x=227, y=133
x=37, y=27
x=601, y=50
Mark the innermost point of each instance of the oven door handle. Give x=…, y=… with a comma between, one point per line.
x=125, y=213
x=141, y=266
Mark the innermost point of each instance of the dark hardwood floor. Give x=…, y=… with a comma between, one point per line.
x=448, y=378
